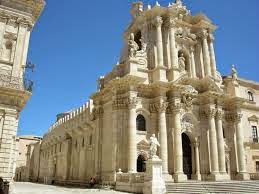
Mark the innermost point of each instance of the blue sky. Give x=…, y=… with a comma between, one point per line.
x=75, y=42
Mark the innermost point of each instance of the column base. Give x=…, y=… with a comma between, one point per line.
x=243, y=176
x=167, y=177
x=225, y=176
x=159, y=74
x=180, y=177
x=214, y=177
x=196, y=177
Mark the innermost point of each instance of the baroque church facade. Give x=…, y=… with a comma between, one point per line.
x=166, y=83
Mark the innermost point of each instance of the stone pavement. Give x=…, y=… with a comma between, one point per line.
x=33, y=188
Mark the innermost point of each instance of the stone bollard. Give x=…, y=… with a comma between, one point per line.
x=153, y=180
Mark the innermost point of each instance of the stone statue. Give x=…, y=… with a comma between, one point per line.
x=153, y=146
x=133, y=46
x=234, y=72
x=181, y=61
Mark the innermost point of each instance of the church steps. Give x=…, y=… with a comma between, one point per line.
x=217, y=187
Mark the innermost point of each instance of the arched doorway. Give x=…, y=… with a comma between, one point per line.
x=141, y=165
x=187, y=155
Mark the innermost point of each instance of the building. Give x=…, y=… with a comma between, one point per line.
x=25, y=147
x=166, y=83
x=17, y=18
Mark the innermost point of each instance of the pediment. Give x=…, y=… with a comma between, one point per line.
x=253, y=118
x=143, y=143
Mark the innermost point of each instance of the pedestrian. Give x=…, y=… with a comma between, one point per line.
x=1, y=186
x=92, y=181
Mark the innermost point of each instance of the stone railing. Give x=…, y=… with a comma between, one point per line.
x=254, y=176
x=8, y=81
x=130, y=177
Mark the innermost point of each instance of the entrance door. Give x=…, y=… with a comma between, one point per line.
x=141, y=165
x=187, y=155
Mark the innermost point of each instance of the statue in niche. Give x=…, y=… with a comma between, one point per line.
x=153, y=146
x=181, y=62
x=234, y=73
x=133, y=46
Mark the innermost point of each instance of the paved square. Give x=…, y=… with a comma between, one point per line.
x=33, y=188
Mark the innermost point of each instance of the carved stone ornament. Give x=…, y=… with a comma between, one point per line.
x=96, y=113
x=187, y=101
x=185, y=33
x=187, y=125
x=190, y=90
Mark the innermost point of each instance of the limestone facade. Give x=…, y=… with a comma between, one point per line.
x=17, y=18
x=165, y=83
x=24, y=156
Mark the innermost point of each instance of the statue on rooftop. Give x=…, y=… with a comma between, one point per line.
x=234, y=72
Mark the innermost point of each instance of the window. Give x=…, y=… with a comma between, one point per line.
x=83, y=142
x=141, y=123
x=90, y=140
x=254, y=134
x=257, y=166
x=250, y=96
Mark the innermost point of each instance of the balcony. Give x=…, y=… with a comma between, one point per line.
x=8, y=81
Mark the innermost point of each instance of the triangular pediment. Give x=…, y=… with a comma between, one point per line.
x=253, y=118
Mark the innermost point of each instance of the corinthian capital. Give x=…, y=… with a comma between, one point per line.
x=132, y=103
x=158, y=21
x=210, y=112
x=203, y=34
x=172, y=22
x=219, y=114
x=158, y=107
x=238, y=117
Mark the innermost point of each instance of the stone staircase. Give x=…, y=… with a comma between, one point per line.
x=214, y=187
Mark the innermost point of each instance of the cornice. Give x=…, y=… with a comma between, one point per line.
x=31, y=8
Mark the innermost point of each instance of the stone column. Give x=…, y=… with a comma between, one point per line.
x=193, y=66
x=161, y=108
x=179, y=176
x=213, y=142
x=132, y=143
x=242, y=174
x=205, y=51
x=159, y=42
x=221, y=143
x=212, y=56
x=173, y=50
x=197, y=161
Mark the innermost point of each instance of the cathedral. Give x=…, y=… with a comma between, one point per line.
x=166, y=83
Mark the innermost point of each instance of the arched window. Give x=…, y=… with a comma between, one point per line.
x=250, y=96
x=141, y=123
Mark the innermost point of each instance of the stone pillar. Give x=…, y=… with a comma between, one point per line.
x=205, y=51
x=221, y=143
x=179, y=176
x=159, y=42
x=197, y=161
x=213, y=143
x=173, y=50
x=193, y=66
x=242, y=174
x=212, y=56
x=161, y=108
x=20, y=50
x=132, y=143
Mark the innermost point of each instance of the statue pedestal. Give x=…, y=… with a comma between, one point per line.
x=153, y=181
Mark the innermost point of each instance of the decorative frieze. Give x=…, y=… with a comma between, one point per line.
x=97, y=112
x=124, y=103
